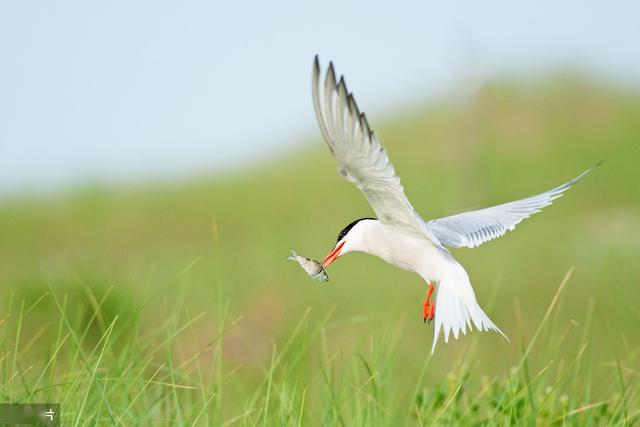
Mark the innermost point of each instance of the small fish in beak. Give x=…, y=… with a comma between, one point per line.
x=313, y=268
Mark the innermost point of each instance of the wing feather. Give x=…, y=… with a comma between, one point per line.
x=355, y=146
x=471, y=229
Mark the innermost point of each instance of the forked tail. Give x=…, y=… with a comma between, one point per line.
x=293, y=255
x=457, y=308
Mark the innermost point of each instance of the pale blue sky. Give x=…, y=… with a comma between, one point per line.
x=124, y=90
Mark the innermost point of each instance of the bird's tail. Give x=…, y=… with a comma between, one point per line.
x=457, y=309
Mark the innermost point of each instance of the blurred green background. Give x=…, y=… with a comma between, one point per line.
x=158, y=160
x=217, y=245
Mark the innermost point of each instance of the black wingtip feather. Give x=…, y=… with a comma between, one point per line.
x=353, y=106
x=331, y=73
x=364, y=124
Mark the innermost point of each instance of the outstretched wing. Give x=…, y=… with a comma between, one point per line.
x=363, y=161
x=471, y=229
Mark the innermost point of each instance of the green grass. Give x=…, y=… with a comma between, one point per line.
x=175, y=305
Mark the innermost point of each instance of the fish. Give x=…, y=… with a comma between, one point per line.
x=313, y=268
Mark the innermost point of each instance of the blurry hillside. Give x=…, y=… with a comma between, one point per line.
x=225, y=239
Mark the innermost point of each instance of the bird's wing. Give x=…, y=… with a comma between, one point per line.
x=471, y=229
x=363, y=161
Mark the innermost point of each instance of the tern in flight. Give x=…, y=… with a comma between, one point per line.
x=399, y=235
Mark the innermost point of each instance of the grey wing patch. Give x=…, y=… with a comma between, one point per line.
x=346, y=175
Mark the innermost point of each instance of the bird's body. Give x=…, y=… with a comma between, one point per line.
x=405, y=249
x=409, y=250
x=399, y=235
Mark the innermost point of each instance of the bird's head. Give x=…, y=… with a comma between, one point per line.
x=350, y=239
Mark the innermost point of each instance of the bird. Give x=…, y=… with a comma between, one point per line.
x=398, y=234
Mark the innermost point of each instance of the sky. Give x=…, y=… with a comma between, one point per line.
x=128, y=91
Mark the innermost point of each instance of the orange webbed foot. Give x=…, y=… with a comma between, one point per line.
x=428, y=309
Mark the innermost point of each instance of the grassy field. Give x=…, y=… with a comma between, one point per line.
x=175, y=305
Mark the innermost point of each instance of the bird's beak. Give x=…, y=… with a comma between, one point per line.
x=333, y=255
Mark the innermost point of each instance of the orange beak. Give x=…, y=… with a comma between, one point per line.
x=333, y=255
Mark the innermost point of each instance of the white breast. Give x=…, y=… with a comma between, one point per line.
x=407, y=250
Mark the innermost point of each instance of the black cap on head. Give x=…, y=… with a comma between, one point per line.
x=349, y=227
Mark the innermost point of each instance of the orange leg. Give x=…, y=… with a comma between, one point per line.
x=428, y=309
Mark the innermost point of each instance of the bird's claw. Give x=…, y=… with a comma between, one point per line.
x=428, y=310
x=429, y=313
